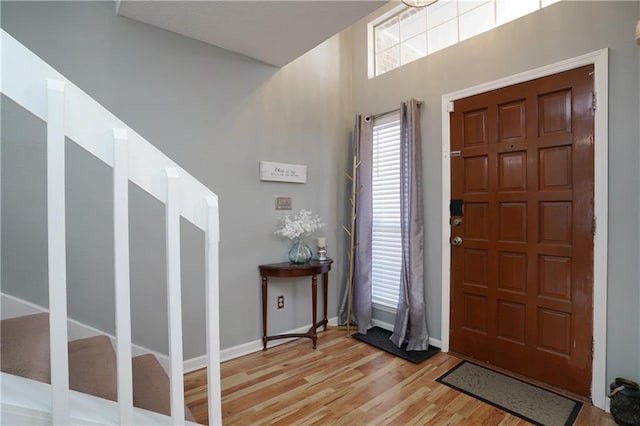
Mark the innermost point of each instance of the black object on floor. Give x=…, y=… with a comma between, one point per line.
x=379, y=337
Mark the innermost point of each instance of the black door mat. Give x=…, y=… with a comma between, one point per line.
x=379, y=337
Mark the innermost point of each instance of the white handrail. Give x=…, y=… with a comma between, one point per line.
x=57, y=251
x=70, y=112
x=90, y=125
x=121, y=274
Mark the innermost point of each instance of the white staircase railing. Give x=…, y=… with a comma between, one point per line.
x=69, y=112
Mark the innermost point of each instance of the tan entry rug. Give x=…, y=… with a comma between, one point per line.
x=531, y=403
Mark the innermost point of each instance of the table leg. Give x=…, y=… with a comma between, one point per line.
x=325, y=282
x=264, y=313
x=314, y=297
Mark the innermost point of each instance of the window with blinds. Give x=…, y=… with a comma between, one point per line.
x=386, y=244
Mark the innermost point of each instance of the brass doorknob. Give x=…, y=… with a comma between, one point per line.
x=456, y=241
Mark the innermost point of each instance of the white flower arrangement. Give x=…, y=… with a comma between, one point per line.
x=301, y=225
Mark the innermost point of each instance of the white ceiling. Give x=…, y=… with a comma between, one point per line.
x=274, y=32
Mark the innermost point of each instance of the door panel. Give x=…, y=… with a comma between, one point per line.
x=522, y=279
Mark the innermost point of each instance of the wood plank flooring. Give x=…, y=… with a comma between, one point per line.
x=345, y=382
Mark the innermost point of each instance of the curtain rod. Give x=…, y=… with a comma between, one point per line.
x=382, y=114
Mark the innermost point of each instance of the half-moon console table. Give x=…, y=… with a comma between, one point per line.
x=289, y=270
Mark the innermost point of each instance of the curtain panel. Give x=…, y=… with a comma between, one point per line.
x=361, y=305
x=411, y=319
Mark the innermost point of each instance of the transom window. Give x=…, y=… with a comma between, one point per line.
x=413, y=33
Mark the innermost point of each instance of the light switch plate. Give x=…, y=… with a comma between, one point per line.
x=283, y=203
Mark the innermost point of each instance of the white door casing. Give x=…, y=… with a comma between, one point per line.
x=600, y=60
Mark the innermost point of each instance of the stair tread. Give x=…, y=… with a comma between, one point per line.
x=24, y=347
x=24, y=352
x=151, y=386
x=84, y=356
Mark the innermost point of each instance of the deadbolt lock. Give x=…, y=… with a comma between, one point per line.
x=456, y=241
x=456, y=221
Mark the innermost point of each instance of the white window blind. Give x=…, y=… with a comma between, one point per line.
x=386, y=244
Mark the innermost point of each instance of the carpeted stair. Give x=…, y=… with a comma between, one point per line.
x=24, y=351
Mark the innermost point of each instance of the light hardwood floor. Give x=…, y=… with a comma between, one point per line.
x=345, y=382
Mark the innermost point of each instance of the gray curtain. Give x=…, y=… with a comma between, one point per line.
x=361, y=305
x=411, y=316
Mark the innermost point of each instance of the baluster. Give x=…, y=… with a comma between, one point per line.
x=121, y=273
x=212, y=311
x=57, y=252
x=174, y=300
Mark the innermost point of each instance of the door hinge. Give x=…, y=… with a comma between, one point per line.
x=594, y=101
x=594, y=224
x=450, y=106
x=593, y=346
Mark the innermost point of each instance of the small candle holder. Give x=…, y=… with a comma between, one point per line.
x=322, y=249
x=322, y=253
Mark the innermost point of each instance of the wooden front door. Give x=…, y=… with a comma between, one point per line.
x=522, y=267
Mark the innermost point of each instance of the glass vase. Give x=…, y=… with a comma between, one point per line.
x=300, y=252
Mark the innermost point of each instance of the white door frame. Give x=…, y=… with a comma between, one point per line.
x=600, y=60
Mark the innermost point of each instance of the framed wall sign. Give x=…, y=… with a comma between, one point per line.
x=283, y=172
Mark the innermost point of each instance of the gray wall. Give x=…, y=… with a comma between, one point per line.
x=559, y=32
x=215, y=113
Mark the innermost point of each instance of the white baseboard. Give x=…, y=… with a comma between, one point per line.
x=433, y=342
x=11, y=307
x=382, y=324
x=246, y=348
x=256, y=345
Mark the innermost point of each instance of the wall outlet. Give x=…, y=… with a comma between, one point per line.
x=283, y=202
x=280, y=302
